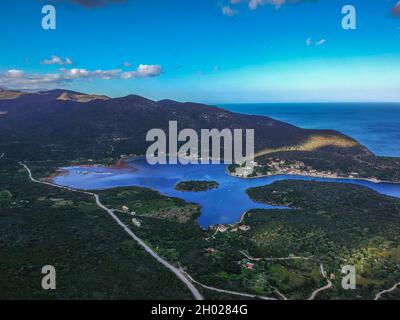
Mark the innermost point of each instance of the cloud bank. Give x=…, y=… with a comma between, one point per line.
x=18, y=79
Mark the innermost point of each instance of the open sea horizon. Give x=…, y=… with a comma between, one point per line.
x=375, y=125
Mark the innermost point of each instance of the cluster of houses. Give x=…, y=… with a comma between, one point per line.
x=135, y=222
x=299, y=168
x=231, y=228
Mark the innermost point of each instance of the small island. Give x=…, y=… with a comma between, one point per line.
x=196, y=186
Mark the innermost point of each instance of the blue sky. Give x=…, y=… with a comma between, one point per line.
x=213, y=51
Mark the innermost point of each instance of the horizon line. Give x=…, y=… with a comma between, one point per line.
x=42, y=90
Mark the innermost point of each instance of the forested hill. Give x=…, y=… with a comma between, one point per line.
x=60, y=122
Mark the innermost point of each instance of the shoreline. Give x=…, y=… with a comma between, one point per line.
x=59, y=173
x=123, y=163
x=120, y=164
x=312, y=176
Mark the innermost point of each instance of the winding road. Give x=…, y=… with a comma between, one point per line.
x=380, y=294
x=227, y=291
x=328, y=286
x=181, y=276
x=179, y=272
x=273, y=259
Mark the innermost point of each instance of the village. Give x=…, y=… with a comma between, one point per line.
x=275, y=166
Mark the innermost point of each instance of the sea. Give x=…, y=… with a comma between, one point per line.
x=375, y=125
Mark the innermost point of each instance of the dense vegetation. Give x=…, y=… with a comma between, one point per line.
x=93, y=257
x=336, y=223
x=58, y=127
x=343, y=162
x=142, y=202
x=328, y=224
x=196, y=186
x=332, y=224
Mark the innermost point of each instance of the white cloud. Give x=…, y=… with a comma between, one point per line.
x=18, y=79
x=76, y=73
x=228, y=11
x=143, y=71
x=13, y=73
x=320, y=42
x=254, y=4
x=148, y=70
x=107, y=74
x=57, y=60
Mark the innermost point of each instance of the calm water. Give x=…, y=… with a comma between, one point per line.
x=375, y=125
x=223, y=205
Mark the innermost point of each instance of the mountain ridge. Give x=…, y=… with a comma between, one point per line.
x=116, y=117
x=41, y=127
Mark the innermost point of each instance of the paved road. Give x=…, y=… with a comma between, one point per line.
x=182, y=275
x=328, y=286
x=227, y=291
x=176, y=271
x=380, y=294
x=273, y=259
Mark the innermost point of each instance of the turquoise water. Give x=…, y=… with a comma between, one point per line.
x=375, y=125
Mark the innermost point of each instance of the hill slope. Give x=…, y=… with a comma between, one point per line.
x=60, y=117
x=61, y=124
